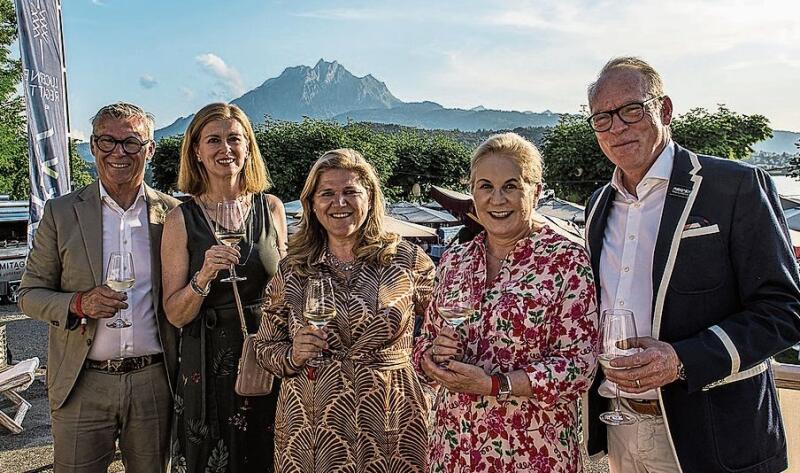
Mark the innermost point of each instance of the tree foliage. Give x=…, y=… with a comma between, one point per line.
x=14, y=173
x=289, y=149
x=575, y=166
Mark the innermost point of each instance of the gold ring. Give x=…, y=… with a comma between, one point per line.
x=638, y=385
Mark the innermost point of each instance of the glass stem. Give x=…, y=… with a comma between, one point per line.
x=616, y=399
x=233, y=271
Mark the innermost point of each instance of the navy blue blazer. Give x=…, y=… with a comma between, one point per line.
x=727, y=297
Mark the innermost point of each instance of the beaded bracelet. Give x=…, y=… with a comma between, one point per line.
x=196, y=287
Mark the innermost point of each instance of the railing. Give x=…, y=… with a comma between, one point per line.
x=787, y=380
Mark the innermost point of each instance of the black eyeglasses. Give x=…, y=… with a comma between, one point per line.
x=629, y=113
x=130, y=145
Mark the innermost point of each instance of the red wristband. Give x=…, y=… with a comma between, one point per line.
x=78, y=309
x=495, y=385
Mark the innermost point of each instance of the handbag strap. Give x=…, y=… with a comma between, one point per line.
x=236, y=296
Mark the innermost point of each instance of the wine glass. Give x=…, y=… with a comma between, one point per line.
x=229, y=228
x=120, y=277
x=320, y=307
x=456, y=306
x=617, y=333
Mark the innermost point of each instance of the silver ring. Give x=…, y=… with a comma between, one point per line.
x=638, y=385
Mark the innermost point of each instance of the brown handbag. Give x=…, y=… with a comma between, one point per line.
x=251, y=378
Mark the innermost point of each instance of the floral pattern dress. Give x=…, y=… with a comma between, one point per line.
x=538, y=315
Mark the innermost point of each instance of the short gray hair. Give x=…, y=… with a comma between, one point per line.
x=123, y=111
x=653, y=82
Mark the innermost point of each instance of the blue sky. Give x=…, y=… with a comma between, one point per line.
x=172, y=57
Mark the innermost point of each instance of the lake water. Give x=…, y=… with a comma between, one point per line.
x=787, y=186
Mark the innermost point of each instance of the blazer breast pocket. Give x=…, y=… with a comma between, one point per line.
x=700, y=263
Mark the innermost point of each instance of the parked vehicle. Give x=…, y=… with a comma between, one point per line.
x=13, y=246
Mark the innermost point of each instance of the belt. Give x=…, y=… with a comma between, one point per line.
x=645, y=407
x=124, y=365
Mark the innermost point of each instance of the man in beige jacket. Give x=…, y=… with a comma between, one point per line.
x=106, y=384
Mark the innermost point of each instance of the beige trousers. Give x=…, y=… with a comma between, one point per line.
x=640, y=448
x=134, y=408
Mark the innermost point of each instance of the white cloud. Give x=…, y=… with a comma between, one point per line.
x=542, y=54
x=79, y=135
x=147, y=81
x=227, y=77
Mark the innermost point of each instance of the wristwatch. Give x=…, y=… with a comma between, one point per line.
x=505, y=387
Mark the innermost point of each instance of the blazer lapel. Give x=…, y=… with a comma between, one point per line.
x=90, y=223
x=596, y=227
x=684, y=184
x=156, y=213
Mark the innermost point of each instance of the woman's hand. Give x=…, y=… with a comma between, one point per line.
x=458, y=377
x=217, y=257
x=308, y=343
x=446, y=346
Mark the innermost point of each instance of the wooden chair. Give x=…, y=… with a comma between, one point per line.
x=13, y=381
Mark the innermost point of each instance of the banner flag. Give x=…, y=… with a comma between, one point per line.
x=41, y=47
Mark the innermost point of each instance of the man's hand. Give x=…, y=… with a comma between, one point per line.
x=655, y=366
x=458, y=377
x=100, y=302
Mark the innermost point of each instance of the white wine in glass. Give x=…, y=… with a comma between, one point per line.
x=456, y=315
x=120, y=277
x=320, y=307
x=230, y=229
x=617, y=333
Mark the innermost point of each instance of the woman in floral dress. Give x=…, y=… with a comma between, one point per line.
x=512, y=373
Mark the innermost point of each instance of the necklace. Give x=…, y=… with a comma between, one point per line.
x=339, y=265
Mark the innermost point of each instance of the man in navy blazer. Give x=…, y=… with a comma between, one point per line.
x=698, y=248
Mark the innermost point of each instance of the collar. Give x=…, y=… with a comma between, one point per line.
x=106, y=198
x=659, y=171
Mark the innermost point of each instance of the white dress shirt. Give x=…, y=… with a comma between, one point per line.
x=626, y=261
x=128, y=230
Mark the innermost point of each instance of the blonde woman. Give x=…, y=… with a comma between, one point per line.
x=220, y=161
x=364, y=409
x=512, y=372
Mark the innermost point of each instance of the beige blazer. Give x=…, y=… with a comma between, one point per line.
x=67, y=257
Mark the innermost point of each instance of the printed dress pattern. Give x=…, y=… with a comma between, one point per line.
x=538, y=315
x=365, y=410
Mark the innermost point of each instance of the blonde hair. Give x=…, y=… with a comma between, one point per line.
x=125, y=111
x=515, y=147
x=654, y=86
x=374, y=244
x=193, y=177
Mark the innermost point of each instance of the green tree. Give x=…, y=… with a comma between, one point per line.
x=165, y=163
x=14, y=173
x=427, y=159
x=575, y=165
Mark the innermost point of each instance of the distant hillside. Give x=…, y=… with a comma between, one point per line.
x=431, y=115
x=781, y=142
x=330, y=91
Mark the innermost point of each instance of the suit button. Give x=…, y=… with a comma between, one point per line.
x=54, y=323
x=88, y=342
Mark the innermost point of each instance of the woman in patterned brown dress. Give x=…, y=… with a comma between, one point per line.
x=364, y=410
